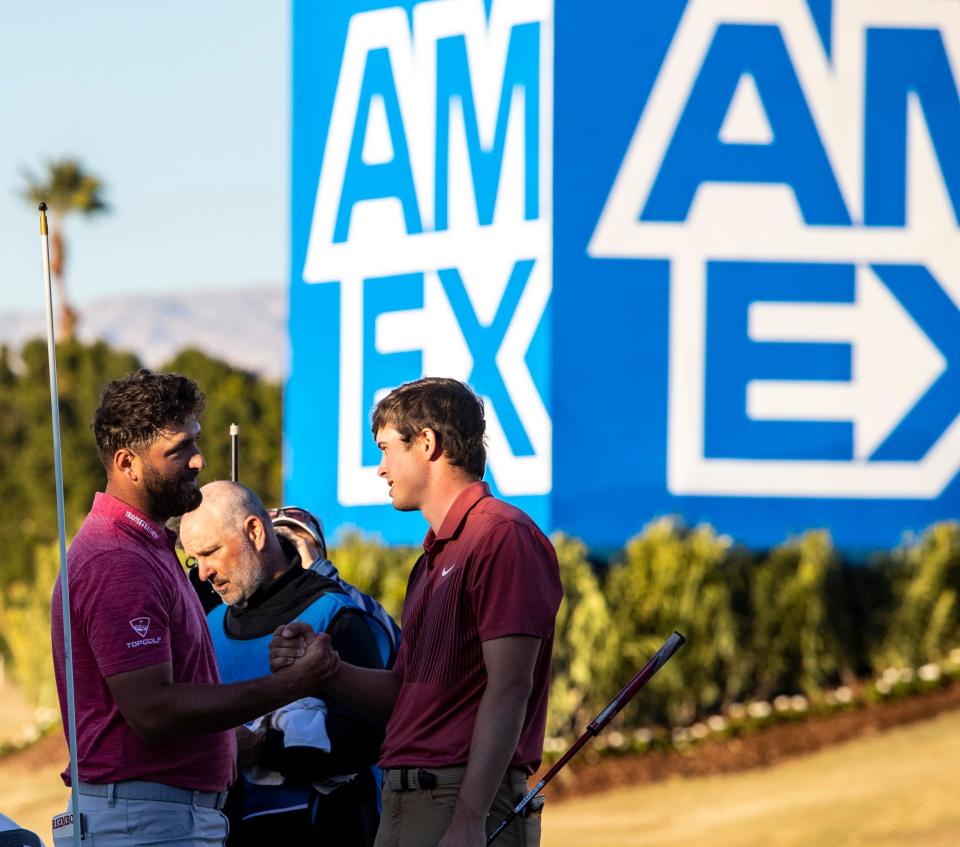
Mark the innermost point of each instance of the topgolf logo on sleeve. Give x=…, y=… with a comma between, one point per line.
x=141, y=626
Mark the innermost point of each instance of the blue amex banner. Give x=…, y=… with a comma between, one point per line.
x=421, y=238
x=758, y=267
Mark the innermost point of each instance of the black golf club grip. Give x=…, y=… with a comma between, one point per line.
x=627, y=693
x=234, y=453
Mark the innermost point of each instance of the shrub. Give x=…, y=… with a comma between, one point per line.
x=376, y=569
x=671, y=578
x=797, y=618
x=25, y=628
x=925, y=621
x=584, y=648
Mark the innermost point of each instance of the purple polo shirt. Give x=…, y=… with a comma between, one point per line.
x=132, y=606
x=489, y=572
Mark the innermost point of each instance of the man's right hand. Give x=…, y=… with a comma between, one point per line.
x=296, y=644
x=289, y=643
x=321, y=662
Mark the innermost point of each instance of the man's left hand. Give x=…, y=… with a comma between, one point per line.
x=249, y=746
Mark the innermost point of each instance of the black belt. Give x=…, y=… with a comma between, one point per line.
x=408, y=779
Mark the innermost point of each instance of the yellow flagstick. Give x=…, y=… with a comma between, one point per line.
x=62, y=533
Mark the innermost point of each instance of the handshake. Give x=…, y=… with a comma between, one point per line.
x=296, y=649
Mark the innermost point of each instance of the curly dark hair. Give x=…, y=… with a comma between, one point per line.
x=134, y=410
x=447, y=406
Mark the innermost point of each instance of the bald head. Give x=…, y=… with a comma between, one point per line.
x=231, y=537
x=231, y=502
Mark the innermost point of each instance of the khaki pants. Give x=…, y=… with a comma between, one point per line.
x=418, y=818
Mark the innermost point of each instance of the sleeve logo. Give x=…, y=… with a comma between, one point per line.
x=141, y=626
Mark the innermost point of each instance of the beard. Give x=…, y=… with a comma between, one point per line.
x=248, y=577
x=170, y=496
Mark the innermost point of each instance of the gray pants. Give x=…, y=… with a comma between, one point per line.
x=141, y=823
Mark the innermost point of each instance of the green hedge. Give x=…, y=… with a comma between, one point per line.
x=793, y=620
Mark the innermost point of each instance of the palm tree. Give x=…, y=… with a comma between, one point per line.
x=65, y=187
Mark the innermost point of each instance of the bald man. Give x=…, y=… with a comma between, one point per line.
x=308, y=770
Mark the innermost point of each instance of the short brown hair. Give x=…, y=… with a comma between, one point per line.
x=134, y=410
x=447, y=406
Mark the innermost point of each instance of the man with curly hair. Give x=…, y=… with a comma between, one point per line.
x=155, y=746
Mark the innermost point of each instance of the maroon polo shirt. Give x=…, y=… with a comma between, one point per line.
x=489, y=572
x=132, y=606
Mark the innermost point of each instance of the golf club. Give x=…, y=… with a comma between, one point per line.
x=612, y=709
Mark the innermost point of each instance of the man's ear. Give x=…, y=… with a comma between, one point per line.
x=429, y=443
x=254, y=530
x=127, y=464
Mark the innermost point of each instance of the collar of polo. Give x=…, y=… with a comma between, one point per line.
x=457, y=513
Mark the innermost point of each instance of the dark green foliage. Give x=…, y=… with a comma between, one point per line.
x=29, y=514
x=870, y=602
x=671, y=578
x=376, y=569
x=27, y=491
x=792, y=620
x=28, y=519
x=241, y=397
x=797, y=618
x=925, y=622
x=25, y=627
x=585, y=649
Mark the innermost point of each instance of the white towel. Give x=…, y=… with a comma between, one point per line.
x=303, y=724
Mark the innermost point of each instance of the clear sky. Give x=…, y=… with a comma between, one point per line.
x=182, y=108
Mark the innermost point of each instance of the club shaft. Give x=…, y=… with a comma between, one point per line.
x=61, y=533
x=612, y=709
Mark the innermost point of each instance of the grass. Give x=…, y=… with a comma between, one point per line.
x=893, y=789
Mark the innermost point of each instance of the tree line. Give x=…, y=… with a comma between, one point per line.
x=795, y=619
x=28, y=517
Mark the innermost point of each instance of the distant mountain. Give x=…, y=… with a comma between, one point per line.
x=246, y=327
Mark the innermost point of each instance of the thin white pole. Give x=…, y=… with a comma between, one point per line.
x=234, y=453
x=62, y=532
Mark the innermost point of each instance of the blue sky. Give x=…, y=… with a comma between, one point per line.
x=182, y=108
